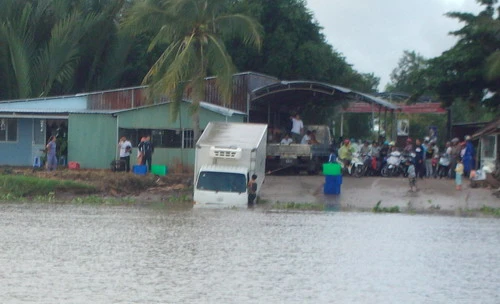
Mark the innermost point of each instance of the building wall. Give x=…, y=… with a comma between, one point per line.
x=92, y=140
x=158, y=117
x=18, y=153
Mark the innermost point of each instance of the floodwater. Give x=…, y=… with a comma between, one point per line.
x=101, y=254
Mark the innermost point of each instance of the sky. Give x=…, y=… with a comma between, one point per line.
x=373, y=34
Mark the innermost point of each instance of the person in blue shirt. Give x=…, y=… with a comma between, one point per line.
x=468, y=158
x=419, y=159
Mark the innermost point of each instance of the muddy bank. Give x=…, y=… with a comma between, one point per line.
x=363, y=194
x=114, y=187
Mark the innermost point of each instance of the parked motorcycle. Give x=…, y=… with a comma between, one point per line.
x=396, y=164
x=366, y=166
x=358, y=168
x=392, y=167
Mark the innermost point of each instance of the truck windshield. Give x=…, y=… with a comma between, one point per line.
x=222, y=181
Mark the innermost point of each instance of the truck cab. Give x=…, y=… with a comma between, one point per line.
x=221, y=186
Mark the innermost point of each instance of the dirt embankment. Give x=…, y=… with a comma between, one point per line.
x=120, y=184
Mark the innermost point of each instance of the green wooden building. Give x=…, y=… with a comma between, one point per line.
x=93, y=135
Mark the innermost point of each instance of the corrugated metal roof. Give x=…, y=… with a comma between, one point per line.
x=211, y=107
x=320, y=87
x=491, y=128
x=382, y=102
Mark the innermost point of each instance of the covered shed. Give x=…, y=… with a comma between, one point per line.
x=272, y=103
x=489, y=144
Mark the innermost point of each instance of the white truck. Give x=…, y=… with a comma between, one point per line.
x=226, y=157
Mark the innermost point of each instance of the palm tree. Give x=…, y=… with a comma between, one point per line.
x=193, y=32
x=43, y=42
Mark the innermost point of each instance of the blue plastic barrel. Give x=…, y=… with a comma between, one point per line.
x=332, y=184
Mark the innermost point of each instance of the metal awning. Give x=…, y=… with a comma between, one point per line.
x=293, y=92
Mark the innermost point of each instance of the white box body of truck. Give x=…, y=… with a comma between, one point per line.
x=226, y=156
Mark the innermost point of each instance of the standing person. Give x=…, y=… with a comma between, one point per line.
x=419, y=159
x=469, y=155
x=454, y=153
x=444, y=161
x=252, y=190
x=140, y=151
x=297, y=128
x=51, y=154
x=412, y=176
x=148, y=152
x=429, y=155
x=459, y=171
x=125, y=148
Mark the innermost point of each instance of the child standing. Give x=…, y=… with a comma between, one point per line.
x=459, y=171
x=412, y=176
x=252, y=190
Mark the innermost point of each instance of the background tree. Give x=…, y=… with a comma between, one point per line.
x=468, y=71
x=408, y=76
x=193, y=31
x=294, y=47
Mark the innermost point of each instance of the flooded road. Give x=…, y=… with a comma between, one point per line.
x=100, y=254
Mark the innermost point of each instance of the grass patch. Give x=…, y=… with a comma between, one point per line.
x=298, y=206
x=16, y=186
x=490, y=211
x=379, y=209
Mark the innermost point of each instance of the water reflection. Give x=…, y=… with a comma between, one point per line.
x=99, y=254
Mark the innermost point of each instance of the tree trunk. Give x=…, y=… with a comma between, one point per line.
x=196, y=125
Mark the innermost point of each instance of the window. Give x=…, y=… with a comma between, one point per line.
x=167, y=138
x=188, y=139
x=161, y=138
x=8, y=129
x=222, y=181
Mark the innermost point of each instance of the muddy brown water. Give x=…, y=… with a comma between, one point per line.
x=102, y=254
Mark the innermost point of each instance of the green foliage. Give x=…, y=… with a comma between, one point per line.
x=469, y=70
x=490, y=211
x=194, y=33
x=50, y=47
x=408, y=76
x=23, y=186
x=294, y=47
x=420, y=123
x=298, y=206
x=379, y=209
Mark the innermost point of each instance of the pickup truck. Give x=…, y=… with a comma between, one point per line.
x=300, y=157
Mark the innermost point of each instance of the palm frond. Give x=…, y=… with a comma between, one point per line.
x=241, y=27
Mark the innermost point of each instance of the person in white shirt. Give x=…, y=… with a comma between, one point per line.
x=286, y=140
x=306, y=140
x=125, y=148
x=297, y=128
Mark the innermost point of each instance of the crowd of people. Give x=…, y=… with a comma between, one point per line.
x=454, y=158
